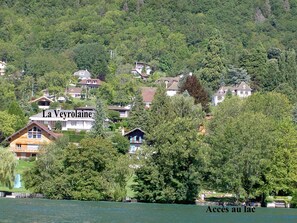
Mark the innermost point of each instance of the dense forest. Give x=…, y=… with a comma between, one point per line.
x=107, y=37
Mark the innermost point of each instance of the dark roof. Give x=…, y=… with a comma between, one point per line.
x=133, y=130
x=41, y=126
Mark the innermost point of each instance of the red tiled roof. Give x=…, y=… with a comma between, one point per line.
x=148, y=93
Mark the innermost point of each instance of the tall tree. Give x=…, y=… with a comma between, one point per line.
x=213, y=68
x=138, y=115
x=196, y=90
x=98, y=128
x=15, y=109
x=237, y=75
x=7, y=124
x=172, y=169
x=255, y=62
x=93, y=57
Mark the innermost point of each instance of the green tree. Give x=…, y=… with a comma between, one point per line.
x=255, y=62
x=15, y=109
x=236, y=75
x=8, y=164
x=121, y=143
x=172, y=169
x=196, y=90
x=138, y=115
x=6, y=94
x=93, y=57
x=98, y=128
x=7, y=124
x=213, y=68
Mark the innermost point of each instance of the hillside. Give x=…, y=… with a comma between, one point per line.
x=171, y=35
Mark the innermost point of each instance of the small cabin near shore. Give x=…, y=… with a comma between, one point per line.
x=136, y=137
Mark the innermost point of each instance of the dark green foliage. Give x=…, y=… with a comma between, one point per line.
x=213, y=68
x=251, y=140
x=121, y=143
x=138, y=117
x=92, y=57
x=113, y=115
x=255, y=62
x=236, y=75
x=172, y=169
x=98, y=127
x=173, y=161
x=91, y=171
x=15, y=109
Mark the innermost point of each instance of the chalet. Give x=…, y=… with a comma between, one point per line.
x=75, y=92
x=82, y=74
x=28, y=141
x=90, y=83
x=141, y=70
x=242, y=90
x=2, y=68
x=171, y=84
x=69, y=119
x=43, y=102
x=136, y=137
x=124, y=111
x=148, y=94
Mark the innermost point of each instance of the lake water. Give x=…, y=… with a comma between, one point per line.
x=52, y=211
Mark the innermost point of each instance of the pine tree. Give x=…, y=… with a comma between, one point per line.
x=98, y=128
x=138, y=114
x=15, y=109
x=255, y=62
x=196, y=90
x=213, y=66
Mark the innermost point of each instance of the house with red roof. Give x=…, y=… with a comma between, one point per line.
x=148, y=94
x=90, y=83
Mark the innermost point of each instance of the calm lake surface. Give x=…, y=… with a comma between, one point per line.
x=41, y=210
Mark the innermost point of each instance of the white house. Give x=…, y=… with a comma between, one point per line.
x=141, y=70
x=2, y=68
x=80, y=119
x=82, y=74
x=171, y=84
x=242, y=90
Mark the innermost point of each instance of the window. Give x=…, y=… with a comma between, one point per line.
x=18, y=146
x=32, y=147
x=73, y=123
x=34, y=133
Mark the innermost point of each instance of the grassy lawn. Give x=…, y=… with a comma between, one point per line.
x=21, y=167
x=74, y=137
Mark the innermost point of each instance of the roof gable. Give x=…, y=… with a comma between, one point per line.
x=134, y=130
x=31, y=125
